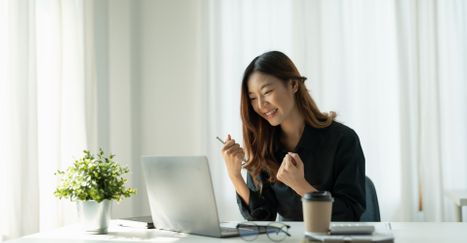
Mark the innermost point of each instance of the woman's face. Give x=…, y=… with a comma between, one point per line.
x=270, y=97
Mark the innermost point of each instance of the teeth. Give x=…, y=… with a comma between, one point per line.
x=270, y=113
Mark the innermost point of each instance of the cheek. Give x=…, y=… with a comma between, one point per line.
x=282, y=101
x=277, y=100
x=254, y=106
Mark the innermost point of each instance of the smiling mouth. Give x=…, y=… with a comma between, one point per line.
x=271, y=113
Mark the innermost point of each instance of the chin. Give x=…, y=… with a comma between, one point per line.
x=274, y=123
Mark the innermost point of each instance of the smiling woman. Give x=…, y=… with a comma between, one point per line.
x=293, y=148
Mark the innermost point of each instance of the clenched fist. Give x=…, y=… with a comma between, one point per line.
x=291, y=172
x=233, y=156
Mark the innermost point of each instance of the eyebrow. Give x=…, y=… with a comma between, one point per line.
x=262, y=87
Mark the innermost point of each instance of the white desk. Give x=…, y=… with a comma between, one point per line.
x=451, y=232
x=459, y=198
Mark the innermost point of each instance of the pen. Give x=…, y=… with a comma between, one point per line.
x=222, y=141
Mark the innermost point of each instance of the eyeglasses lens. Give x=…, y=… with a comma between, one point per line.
x=276, y=231
x=248, y=231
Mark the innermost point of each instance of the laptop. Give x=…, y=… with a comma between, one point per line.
x=181, y=195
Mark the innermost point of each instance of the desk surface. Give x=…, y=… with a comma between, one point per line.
x=404, y=232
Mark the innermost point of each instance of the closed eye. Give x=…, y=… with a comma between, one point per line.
x=268, y=92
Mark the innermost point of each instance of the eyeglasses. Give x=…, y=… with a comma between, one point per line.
x=275, y=231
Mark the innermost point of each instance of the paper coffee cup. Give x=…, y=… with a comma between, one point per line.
x=317, y=211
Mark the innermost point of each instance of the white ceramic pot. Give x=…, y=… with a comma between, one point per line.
x=94, y=216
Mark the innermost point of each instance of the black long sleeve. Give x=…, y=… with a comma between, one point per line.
x=349, y=186
x=262, y=206
x=333, y=161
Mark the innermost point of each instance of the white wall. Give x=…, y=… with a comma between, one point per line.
x=170, y=77
x=168, y=47
x=149, y=84
x=121, y=101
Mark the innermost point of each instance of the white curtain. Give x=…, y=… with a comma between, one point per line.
x=42, y=100
x=392, y=70
x=442, y=80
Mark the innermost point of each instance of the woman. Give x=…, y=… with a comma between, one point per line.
x=292, y=148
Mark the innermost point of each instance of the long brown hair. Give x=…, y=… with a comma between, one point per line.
x=259, y=137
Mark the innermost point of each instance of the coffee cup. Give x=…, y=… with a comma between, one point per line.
x=317, y=211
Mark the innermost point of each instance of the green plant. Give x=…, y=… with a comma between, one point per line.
x=93, y=178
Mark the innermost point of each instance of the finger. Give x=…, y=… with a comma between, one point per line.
x=234, y=150
x=228, y=139
x=281, y=167
x=279, y=175
x=282, y=164
x=295, y=159
x=231, y=151
x=291, y=159
x=228, y=144
x=288, y=162
x=295, y=156
x=231, y=146
x=237, y=149
x=240, y=155
x=284, y=160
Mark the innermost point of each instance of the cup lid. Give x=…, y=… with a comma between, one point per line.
x=318, y=196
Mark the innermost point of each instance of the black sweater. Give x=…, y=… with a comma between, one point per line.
x=333, y=161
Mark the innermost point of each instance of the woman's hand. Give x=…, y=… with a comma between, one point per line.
x=292, y=173
x=233, y=155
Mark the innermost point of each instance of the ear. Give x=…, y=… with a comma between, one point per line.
x=293, y=85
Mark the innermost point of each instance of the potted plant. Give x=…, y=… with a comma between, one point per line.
x=93, y=182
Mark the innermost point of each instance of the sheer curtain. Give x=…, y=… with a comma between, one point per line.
x=392, y=70
x=42, y=119
x=236, y=31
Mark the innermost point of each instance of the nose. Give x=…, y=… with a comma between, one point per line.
x=261, y=103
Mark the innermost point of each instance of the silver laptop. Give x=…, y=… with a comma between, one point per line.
x=181, y=196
